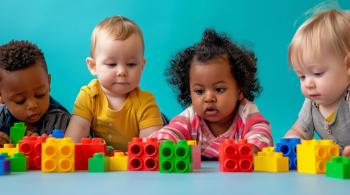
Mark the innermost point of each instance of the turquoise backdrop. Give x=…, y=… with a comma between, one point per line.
x=62, y=29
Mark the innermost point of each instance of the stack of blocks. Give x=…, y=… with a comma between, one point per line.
x=312, y=155
x=4, y=164
x=235, y=157
x=288, y=147
x=31, y=147
x=86, y=149
x=338, y=167
x=143, y=156
x=270, y=161
x=175, y=157
x=58, y=155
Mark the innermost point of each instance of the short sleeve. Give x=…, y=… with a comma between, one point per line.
x=148, y=112
x=305, y=119
x=83, y=105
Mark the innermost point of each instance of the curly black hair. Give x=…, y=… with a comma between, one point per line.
x=214, y=45
x=16, y=55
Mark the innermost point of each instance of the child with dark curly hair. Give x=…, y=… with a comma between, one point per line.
x=25, y=92
x=216, y=81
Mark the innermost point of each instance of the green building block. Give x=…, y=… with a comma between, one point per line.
x=98, y=163
x=338, y=167
x=18, y=162
x=175, y=157
x=17, y=132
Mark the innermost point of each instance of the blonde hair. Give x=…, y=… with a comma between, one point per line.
x=119, y=27
x=327, y=31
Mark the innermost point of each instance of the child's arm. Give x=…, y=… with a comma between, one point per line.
x=296, y=132
x=78, y=128
x=346, y=151
x=148, y=131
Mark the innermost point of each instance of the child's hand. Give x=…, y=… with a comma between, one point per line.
x=346, y=151
x=4, y=139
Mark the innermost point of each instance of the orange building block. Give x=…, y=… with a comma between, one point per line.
x=312, y=155
x=58, y=155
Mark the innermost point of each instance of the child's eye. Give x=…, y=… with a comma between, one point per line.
x=301, y=77
x=131, y=64
x=40, y=95
x=199, y=91
x=318, y=74
x=111, y=64
x=19, y=102
x=220, y=89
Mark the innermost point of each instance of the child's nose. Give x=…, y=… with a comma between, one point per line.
x=121, y=71
x=210, y=97
x=309, y=83
x=32, y=104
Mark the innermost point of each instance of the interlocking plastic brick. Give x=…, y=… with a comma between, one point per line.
x=288, y=147
x=270, y=161
x=31, y=147
x=236, y=157
x=58, y=155
x=143, y=156
x=175, y=157
x=338, y=167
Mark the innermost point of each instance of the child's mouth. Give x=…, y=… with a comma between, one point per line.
x=210, y=111
x=34, y=117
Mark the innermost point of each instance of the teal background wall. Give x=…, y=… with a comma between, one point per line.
x=62, y=29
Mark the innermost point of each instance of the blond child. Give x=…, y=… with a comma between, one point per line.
x=320, y=55
x=25, y=92
x=216, y=81
x=113, y=106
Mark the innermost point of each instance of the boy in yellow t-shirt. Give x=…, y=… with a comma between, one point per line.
x=113, y=106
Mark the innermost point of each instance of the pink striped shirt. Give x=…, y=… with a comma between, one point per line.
x=248, y=124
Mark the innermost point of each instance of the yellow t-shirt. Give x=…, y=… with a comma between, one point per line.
x=139, y=111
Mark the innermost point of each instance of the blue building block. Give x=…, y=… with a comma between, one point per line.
x=4, y=164
x=57, y=133
x=288, y=147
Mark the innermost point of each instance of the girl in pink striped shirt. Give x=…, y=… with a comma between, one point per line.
x=216, y=81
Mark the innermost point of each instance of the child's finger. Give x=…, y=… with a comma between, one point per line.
x=5, y=137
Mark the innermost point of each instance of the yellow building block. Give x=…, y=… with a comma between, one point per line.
x=312, y=155
x=57, y=155
x=9, y=149
x=270, y=161
x=119, y=162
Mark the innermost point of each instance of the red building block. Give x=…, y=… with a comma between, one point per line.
x=143, y=156
x=31, y=147
x=236, y=157
x=86, y=149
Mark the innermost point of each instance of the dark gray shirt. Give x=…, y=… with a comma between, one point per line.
x=310, y=120
x=56, y=117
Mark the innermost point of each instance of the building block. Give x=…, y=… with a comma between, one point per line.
x=57, y=155
x=4, y=164
x=118, y=162
x=270, y=161
x=98, y=163
x=17, y=132
x=196, y=154
x=31, y=147
x=175, y=157
x=86, y=149
x=143, y=156
x=10, y=149
x=338, y=167
x=236, y=157
x=18, y=162
x=288, y=147
x=312, y=155
x=58, y=133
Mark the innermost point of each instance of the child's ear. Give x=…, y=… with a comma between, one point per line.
x=347, y=63
x=91, y=64
x=241, y=95
x=143, y=63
